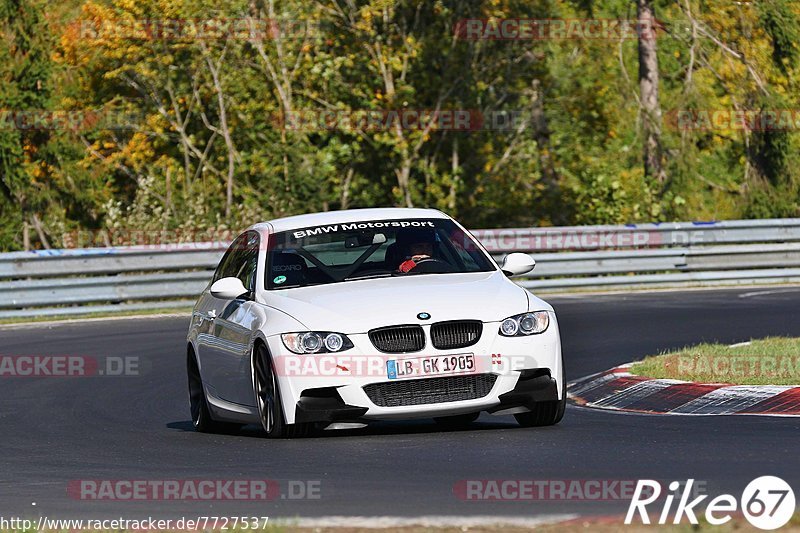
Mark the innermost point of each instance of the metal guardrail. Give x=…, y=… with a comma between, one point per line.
x=778, y=230
x=64, y=282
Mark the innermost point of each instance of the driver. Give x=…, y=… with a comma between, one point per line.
x=420, y=247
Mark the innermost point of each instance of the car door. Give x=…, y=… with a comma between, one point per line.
x=226, y=361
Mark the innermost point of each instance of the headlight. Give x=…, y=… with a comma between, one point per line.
x=525, y=324
x=509, y=327
x=316, y=342
x=334, y=342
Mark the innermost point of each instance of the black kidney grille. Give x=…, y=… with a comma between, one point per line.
x=398, y=339
x=456, y=334
x=430, y=390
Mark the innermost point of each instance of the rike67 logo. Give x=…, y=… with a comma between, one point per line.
x=767, y=503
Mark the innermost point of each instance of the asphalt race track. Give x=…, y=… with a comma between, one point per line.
x=57, y=430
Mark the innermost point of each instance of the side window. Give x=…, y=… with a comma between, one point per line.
x=232, y=261
x=222, y=262
x=249, y=263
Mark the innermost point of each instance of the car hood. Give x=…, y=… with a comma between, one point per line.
x=358, y=306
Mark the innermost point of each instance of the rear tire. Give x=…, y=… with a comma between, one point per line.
x=456, y=421
x=268, y=399
x=198, y=403
x=546, y=413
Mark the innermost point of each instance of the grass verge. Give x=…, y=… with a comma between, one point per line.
x=108, y=314
x=769, y=361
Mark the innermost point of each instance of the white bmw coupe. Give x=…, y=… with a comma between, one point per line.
x=334, y=319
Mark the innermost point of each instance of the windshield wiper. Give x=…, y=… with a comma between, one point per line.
x=370, y=276
x=295, y=286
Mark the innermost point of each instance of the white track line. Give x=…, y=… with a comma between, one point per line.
x=764, y=293
x=74, y=321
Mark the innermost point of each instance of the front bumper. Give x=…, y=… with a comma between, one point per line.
x=330, y=387
x=325, y=405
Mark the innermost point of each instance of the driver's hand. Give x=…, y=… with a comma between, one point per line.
x=409, y=264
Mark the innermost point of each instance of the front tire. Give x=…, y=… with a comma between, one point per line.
x=546, y=413
x=268, y=399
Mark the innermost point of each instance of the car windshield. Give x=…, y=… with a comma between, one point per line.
x=371, y=249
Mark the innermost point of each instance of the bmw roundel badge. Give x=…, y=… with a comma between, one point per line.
x=423, y=316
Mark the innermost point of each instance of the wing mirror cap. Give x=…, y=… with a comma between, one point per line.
x=517, y=264
x=228, y=288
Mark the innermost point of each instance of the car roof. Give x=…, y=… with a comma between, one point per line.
x=346, y=216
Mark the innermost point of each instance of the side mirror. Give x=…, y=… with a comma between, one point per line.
x=517, y=264
x=228, y=289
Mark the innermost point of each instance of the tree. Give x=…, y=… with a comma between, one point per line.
x=648, y=89
x=25, y=99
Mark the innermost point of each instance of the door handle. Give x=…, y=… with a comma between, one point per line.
x=211, y=315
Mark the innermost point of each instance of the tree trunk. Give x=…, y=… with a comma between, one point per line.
x=346, y=188
x=648, y=87
x=37, y=225
x=550, y=178
x=544, y=145
x=225, y=131
x=403, y=174
x=451, y=201
x=541, y=132
x=26, y=236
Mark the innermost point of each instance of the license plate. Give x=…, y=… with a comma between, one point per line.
x=436, y=365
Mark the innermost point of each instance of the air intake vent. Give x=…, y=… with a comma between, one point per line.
x=456, y=334
x=398, y=339
x=430, y=390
